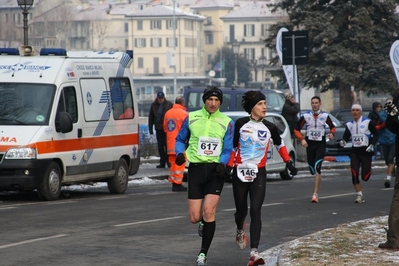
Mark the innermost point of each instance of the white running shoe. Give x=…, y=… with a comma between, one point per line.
x=241, y=238
x=359, y=199
x=201, y=260
x=255, y=259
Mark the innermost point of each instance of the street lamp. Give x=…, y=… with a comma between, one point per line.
x=25, y=5
x=174, y=51
x=262, y=63
x=236, y=49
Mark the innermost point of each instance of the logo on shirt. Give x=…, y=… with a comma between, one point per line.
x=262, y=134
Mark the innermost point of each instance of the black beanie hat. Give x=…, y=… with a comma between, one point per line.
x=212, y=91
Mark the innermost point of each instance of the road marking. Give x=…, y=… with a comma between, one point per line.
x=150, y=221
x=113, y=197
x=32, y=241
x=7, y=208
x=338, y=195
x=264, y=205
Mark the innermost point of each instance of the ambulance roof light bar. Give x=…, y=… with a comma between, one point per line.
x=53, y=51
x=9, y=51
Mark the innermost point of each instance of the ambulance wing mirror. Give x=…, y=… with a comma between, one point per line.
x=63, y=122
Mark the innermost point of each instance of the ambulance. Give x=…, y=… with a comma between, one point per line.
x=66, y=118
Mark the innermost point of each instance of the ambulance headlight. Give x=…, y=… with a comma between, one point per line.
x=21, y=153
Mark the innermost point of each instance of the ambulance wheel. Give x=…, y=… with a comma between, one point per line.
x=118, y=183
x=51, y=186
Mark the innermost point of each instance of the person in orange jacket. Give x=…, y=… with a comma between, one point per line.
x=172, y=123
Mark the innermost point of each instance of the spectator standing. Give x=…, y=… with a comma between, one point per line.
x=364, y=137
x=392, y=123
x=209, y=136
x=155, y=118
x=374, y=116
x=290, y=112
x=172, y=123
x=315, y=140
x=387, y=141
x=252, y=139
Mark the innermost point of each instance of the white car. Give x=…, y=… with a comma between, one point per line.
x=274, y=162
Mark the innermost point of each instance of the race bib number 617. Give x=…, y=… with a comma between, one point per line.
x=209, y=146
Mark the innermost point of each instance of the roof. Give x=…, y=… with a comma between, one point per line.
x=253, y=10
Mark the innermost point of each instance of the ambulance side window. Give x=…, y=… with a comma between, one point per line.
x=67, y=103
x=121, y=96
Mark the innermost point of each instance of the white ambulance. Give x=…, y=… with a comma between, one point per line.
x=66, y=118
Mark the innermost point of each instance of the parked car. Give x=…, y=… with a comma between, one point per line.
x=275, y=163
x=232, y=98
x=344, y=115
x=333, y=148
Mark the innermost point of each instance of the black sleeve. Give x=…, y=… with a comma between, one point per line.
x=392, y=123
x=374, y=131
x=237, y=126
x=274, y=131
x=347, y=134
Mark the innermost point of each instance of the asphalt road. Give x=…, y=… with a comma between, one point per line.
x=149, y=225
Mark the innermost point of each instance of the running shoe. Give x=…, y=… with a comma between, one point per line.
x=255, y=259
x=241, y=238
x=387, y=183
x=359, y=199
x=201, y=260
x=200, y=228
x=315, y=197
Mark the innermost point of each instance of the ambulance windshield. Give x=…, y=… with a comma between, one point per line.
x=25, y=104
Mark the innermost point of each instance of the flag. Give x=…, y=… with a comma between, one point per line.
x=288, y=69
x=218, y=66
x=394, y=55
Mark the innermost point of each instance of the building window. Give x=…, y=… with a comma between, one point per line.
x=139, y=42
x=126, y=43
x=190, y=42
x=249, y=53
x=265, y=30
x=156, y=42
x=209, y=38
x=126, y=27
x=209, y=61
x=208, y=21
x=169, y=24
x=169, y=42
x=189, y=25
x=139, y=25
x=249, y=30
x=140, y=62
x=156, y=24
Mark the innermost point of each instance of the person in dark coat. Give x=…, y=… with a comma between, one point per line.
x=155, y=118
x=290, y=112
x=374, y=116
x=392, y=123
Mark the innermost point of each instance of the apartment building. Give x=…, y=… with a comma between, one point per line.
x=150, y=28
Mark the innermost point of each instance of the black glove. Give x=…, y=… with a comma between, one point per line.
x=220, y=170
x=228, y=170
x=180, y=159
x=293, y=170
x=150, y=131
x=390, y=108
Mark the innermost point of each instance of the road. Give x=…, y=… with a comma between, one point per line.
x=149, y=225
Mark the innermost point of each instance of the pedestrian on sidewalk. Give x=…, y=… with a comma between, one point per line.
x=172, y=123
x=290, y=112
x=374, y=116
x=364, y=136
x=209, y=136
x=315, y=122
x=155, y=118
x=252, y=137
x=392, y=123
x=387, y=141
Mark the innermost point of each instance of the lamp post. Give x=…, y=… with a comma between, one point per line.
x=262, y=63
x=25, y=5
x=174, y=51
x=236, y=49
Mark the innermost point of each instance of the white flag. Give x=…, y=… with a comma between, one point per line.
x=394, y=55
x=288, y=69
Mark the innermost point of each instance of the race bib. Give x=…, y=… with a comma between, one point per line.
x=209, y=146
x=360, y=140
x=247, y=172
x=315, y=134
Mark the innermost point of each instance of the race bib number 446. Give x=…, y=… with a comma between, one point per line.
x=209, y=146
